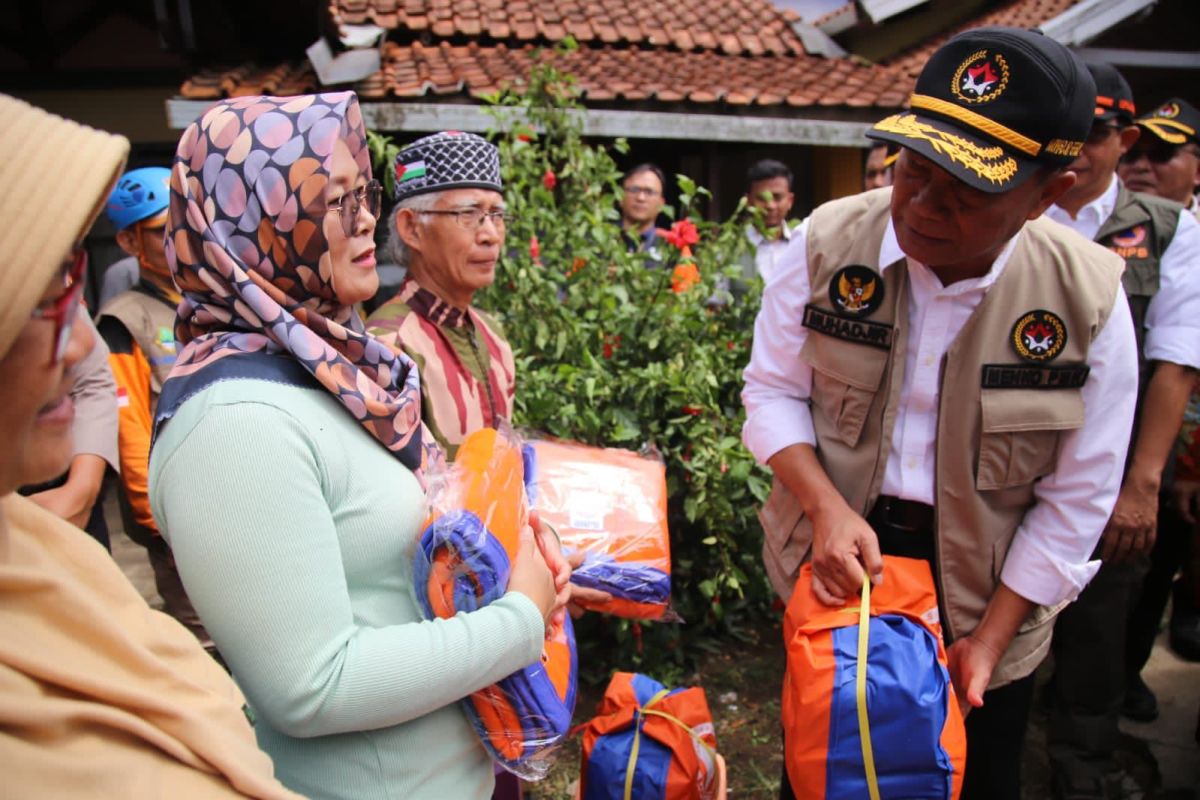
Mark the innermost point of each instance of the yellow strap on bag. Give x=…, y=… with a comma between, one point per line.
x=860, y=691
x=637, y=734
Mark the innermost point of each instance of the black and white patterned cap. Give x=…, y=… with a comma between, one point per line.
x=447, y=160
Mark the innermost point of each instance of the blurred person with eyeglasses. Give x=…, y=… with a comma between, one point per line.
x=100, y=696
x=1165, y=161
x=1160, y=244
x=641, y=202
x=138, y=326
x=78, y=494
x=447, y=230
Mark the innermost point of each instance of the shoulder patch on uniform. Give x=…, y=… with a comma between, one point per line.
x=1039, y=335
x=1034, y=376
x=856, y=291
x=873, y=334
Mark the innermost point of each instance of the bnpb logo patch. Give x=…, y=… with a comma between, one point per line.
x=1039, y=335
x=981, y=78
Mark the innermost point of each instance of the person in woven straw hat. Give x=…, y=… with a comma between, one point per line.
x=99, y=695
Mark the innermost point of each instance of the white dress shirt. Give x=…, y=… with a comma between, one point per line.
x=1173, y=316
x=768, y=252
x=1048, y=559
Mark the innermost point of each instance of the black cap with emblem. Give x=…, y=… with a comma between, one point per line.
x=1114, y=98
x=993, y=105
x=1176, y=122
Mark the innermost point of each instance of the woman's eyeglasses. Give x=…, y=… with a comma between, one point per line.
x=64, y=310
x=370, y=195
x=472, y=218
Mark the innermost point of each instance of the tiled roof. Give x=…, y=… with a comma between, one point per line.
x=752, y=27
x=604, y=74
x=1017, y=14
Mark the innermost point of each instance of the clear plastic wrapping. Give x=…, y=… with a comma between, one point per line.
x=478, y=509
x=612, y=504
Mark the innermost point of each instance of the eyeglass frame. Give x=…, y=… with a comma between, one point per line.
x=464, y=216
x=371, y=192
x=64, y=310
x=642, y=191
x=1155, y=150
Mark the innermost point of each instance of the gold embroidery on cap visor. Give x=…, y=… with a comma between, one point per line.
x=1162, y=129
x=982, y=80
x=990, y=163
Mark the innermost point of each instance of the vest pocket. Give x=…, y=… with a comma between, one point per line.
x=1020, y=431
x=846, y=377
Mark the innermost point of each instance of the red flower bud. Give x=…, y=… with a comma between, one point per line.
x=695, y=411
x=549, y=180
x=524, y=137
x=535, y=250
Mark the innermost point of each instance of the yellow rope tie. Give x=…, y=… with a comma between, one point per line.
x=860, y=691
x=646, y=710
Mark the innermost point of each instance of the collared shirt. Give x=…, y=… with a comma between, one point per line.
x=768, y=252
x=1048, y=559
x=468, y=376
x=1173, y=316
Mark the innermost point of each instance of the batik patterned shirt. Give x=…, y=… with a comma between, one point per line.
x=466, y=366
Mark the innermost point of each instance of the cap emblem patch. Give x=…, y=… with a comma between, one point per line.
x=1039, y=335
x=981, y=78
x=1168, y=111
x=856, y=291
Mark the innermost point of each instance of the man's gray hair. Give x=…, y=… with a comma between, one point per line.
x=397, y=247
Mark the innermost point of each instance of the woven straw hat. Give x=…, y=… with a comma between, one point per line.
x=54, y=177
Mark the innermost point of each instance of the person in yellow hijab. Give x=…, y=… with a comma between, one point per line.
x=100, y=696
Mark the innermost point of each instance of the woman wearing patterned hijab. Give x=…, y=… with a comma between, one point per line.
x=285, y=473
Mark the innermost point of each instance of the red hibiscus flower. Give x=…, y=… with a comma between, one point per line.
x=549, y=180
x=682, y=234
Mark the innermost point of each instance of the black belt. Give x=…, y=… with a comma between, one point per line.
x=902, y=515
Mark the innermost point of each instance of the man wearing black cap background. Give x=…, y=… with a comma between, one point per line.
x=1161, y=248
x=1165, y=161
x=938, y=373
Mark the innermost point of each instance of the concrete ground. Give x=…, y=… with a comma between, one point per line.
x=1161, y=759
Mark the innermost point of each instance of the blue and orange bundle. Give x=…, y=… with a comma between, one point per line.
x=463, y=563
x=648, y=742
x=612, y=504
x=868, y=709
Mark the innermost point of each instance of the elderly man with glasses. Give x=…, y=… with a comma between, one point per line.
x=1161, y=247
x=1165, y=161
x=447, y=230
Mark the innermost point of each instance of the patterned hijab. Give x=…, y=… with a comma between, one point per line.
x=246, y=245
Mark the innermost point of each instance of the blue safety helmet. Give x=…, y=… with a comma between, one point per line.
x=139, y=194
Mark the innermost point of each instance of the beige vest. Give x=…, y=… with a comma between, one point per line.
x=997, y=435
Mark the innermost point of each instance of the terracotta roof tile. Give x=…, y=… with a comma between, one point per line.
x=1016, y=13
x=603, y=74
x=748, y=27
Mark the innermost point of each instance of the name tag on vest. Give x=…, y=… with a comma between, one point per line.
x=873, y=334
x=1034, y=376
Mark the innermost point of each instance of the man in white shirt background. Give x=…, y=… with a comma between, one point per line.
x=769, y=189
x=1161, y=246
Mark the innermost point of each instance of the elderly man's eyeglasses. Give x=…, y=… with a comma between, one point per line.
x=472, y=218
x=1158, y=152
x=641, y=191
x=64, y=310
x=351, y=203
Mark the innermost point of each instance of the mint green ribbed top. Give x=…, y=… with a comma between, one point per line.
x=294, y=531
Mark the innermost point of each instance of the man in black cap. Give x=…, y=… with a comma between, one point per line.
x=940, y=374
x=1165, y=161
x=1161, y=247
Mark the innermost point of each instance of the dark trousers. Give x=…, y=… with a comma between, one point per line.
x=996, y=731
x=1170, y=551
x=1089, y=675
